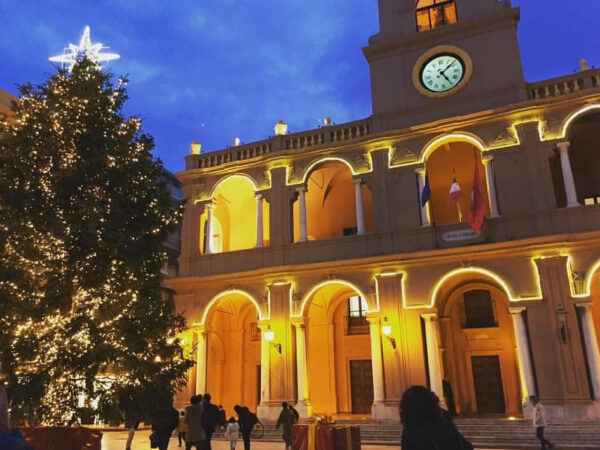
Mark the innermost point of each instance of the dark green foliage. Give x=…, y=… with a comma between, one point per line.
x=84, y=210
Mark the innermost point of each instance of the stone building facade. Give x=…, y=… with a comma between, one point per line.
x=315, y=268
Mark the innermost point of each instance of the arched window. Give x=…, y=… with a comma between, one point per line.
x=435, y=13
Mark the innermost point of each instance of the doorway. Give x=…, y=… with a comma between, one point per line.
x=487, y=381
x=361, y=386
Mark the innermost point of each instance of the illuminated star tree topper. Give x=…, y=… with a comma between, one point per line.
x=74, y=53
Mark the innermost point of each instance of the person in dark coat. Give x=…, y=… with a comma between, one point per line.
x=449, y=396
x=286, y=420
x=246, y=420
x=194, y=417
x=164, y=421
x=424, y=427
x=211, y=418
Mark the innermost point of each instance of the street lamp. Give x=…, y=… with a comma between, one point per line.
x=269, y=336
x=386, y=330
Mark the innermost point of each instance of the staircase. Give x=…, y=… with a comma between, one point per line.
x=483, y=433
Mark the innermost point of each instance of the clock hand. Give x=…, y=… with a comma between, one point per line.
x=447, y=79
x=450, y=65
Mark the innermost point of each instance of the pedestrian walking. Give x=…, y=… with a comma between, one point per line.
x=232, y=433
x=286, y=420
x=132, y=420
x=424, y=426
x=211, y=418
x=181, y=428
x=246, y=419
x=539, y=422
x=195, y=435
x=164, y=421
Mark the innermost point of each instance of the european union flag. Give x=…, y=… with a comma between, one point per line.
x=426, y=192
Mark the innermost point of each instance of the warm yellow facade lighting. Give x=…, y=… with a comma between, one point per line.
x=219, y=296
x=318, y=286
x=281, y=128
x=195, y=148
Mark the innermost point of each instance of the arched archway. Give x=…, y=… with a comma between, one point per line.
x=451, y=159
x=593, y=284
x=234, y=216
x=479, y=349
x=331, y=202
x=582, y=131
x=338, y=351
x=233, y=351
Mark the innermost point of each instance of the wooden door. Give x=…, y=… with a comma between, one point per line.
x=258, y=387
x=361, y=386
x=488, y=384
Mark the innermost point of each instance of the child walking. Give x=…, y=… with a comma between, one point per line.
x=181, y=428
x=232, y=433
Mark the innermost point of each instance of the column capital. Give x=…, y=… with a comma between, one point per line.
x=357, y=180
x=430, y=316
x=587, y=304
x=563, y=146
x=487, y=159
x=301, y=188
x=210, y=204
x=420, y=170
x=299, y=323
x=259, y=195
x=515, y=310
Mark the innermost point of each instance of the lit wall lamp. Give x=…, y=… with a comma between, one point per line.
x=269, y=336
x=561, y=314
x=386, y=330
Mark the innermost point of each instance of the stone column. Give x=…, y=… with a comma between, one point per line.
x=591, y=346
x=265, y=367
x=303, y=405
x=302, y=212
x=491, y=186
x=421, y=184
x=522, y=341
x=360, y=216
x=210, y=206
x=259, y=220
x=433, y=355
x=201, y=362
x=567, y=173
x=377, y=361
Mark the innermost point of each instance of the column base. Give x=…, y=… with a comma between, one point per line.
x=269, y=411
x=304, y=408
x=527, y=410
x=572, y=205
x=385, y=411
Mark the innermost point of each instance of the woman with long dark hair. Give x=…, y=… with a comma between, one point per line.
x=424, y=424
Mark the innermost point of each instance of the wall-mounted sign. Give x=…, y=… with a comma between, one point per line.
x=459, y=235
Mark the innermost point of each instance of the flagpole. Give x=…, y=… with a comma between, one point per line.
x=459, y=211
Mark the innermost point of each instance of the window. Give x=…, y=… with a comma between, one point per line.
x=479, y=309
x=356, y=320
x=254, y=332
x=435, y=13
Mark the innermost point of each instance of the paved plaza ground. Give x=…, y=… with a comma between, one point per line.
x=115, y=440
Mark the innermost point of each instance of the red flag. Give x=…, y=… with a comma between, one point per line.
x=477, y=212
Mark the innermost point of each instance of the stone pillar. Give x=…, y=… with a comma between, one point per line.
x=259, y=220
x=491, y=186
x=302, y=212
x=360, y=216
x=303, y=405
x=377, y=363
x=433, y=355
x=591, y=346
x=201, y=362
x=567, y=173
x=265, y=367
x=421, y=183
x=209, y=227
x=522, y=341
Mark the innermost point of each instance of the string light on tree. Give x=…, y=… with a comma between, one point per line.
x=85, y=48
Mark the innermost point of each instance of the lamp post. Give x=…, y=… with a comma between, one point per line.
x=386, y=330
x=561, y=314
x=269, y=336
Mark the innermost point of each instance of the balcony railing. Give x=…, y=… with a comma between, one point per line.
x=355, y=325
x=302, y=140
x=564, y=85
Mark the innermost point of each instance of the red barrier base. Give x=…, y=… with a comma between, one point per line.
x=63, y=438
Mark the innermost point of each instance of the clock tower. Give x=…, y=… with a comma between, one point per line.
x=434, y=59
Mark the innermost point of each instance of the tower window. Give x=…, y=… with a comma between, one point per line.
x=356, y=320
x=435, y=13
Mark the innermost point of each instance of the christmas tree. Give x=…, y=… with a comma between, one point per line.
x=84, y=210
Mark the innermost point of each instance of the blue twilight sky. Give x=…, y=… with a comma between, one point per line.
x=214, y=69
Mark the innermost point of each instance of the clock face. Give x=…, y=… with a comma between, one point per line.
x=442, y=72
